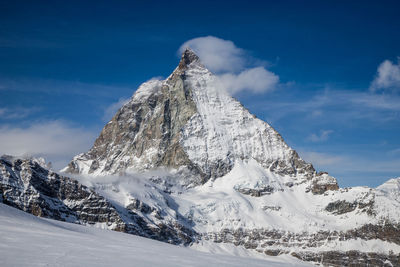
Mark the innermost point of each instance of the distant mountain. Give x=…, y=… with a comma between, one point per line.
x=189, y=157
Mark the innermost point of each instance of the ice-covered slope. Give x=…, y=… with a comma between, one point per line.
x=26, y=240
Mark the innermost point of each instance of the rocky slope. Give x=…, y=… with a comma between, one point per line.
x=27, y=185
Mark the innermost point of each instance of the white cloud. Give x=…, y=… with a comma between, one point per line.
x=388, y=77
x=256, y=80
x=54, y=140
x=232, y=65
x=217, y=54
x=323, y=136
x=113, y=108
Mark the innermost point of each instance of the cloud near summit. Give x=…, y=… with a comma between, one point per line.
x=232, y=65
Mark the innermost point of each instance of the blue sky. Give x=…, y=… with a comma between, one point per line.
x=65, y=68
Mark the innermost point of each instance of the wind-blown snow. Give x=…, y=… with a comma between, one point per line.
x=26, y=240
x=146, y=89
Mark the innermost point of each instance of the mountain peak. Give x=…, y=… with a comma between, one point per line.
x=188, y=57
x=186, y=123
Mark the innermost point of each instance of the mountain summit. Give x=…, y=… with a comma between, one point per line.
x=189, y=124
x=188, y=57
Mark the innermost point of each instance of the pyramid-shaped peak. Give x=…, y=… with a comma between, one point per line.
x=188, y=56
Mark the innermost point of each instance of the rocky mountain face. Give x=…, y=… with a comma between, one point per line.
x=188, y=124
x=184, y=162
x=27, y=185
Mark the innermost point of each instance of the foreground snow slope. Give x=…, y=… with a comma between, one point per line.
x=26, y=240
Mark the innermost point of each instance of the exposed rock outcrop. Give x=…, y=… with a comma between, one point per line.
x=29, y=186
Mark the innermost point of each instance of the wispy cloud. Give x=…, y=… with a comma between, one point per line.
x=335, y=105
x=236, y=69
x=352, y=164
x=378, y=101
x=322, y=136
x=7, y=113
x=55, y=140
x=387, y=77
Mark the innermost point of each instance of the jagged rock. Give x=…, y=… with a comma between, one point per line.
x=341, y=206
x=137, y=205
x=256, y=192
x=322, y=183
x=25, y=184
x=274, y=243
x=274, y=208
x=349, y=258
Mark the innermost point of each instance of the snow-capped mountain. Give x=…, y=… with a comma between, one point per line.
x=184, y=155
x=190, y=125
